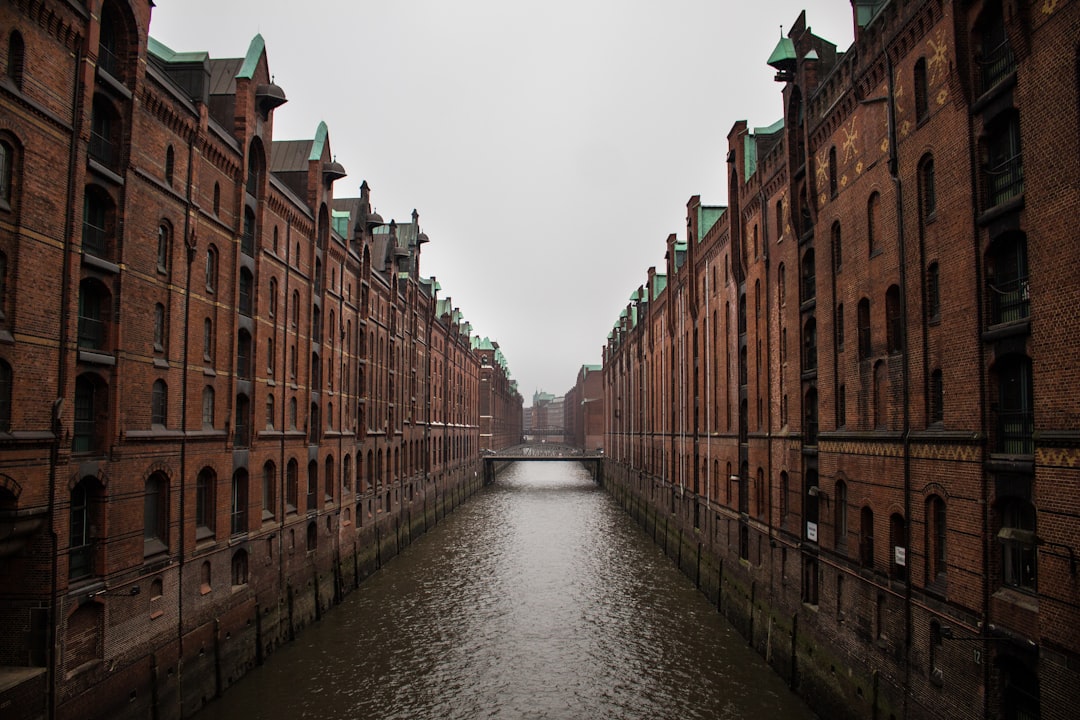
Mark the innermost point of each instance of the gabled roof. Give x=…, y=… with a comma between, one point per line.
x=290, y=155
x=251, y=60
x=223, y=75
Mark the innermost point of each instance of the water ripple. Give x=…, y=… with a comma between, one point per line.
x=538, y=599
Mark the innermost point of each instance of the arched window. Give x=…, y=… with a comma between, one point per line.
x=91, y=414
x=1014, y=410
x=347, y=473
x=247, y=240
x=863, y=319
x=810, y=424
x=16, y=58
x=255, y=167
x=295, y=308
x=840, y=524
x=866, y=537
x=242, y=435
x=207, y=419
x=810, y=345
x=273, y=297
x=1007, y=279
x=328, y=479
x=7, y=163
x=809, y=276
x=113, y=43
x=1004, y=168
x=897, y=547
x=211, y=269
x=164, y=236
x=881, y=389
x=292, y=486
x=269, y=411
x=6, y=385
x=994, y=58
x=240, y=568
x=83, y=523
x=97, y=228
x=247, y=292
x=927, y=192
x=170, y=162
x=922, y=104
x=933, y=292
x=205, y=506
x=936, y=565
x=155, y=515
x=313, y=484
x=208, y=340
x=894, y=321
x=159, y=403
x=239, y=503
x=269, y=490
x=271, y=357
x=314, y=421
x=159, y=327
x=105, y=133
x=873, y=217
x=243, y=355
x=95, y=309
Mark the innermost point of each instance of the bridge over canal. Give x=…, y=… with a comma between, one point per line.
x=542, y=452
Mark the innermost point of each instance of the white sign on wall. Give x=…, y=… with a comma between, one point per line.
x=900, y=554
x=811, y=531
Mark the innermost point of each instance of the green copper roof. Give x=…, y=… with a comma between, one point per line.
x=168, y=55
x=784, y=51
x=255, y=50
x=340, y=220
x=320, y=141
x=750, y=144
x=660, y=282
x=708, y=215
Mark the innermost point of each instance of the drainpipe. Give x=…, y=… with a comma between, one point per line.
x=189, y=247
x=894, y=172
x=282, y=463
x=768, y=372
x=61, y=374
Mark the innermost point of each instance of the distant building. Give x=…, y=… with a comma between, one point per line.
x=584, y=409
x=546, y=421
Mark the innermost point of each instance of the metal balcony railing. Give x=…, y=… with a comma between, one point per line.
x=1009, y=301
x=1005, y=180
x=1015, y=432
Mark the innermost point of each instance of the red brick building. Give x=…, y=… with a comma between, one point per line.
x=226, y=395
x=584, y=409
x=844, y=403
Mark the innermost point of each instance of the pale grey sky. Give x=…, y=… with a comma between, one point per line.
x=549, y=147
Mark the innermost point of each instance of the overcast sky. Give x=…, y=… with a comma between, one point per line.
x=549, y=147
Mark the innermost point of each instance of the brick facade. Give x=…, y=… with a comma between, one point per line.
x=848, y=391
x=226, y=395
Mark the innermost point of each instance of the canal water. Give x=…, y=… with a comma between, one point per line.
x=539, y=598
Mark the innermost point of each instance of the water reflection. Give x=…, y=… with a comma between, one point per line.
x=538, y=599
